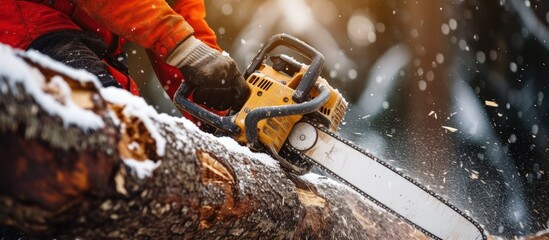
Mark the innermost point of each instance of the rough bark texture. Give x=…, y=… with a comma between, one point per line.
x=65, y=182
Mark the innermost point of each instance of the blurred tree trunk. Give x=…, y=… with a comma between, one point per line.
x=59, y=180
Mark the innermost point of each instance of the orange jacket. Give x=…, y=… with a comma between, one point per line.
x=152, y=24
x=194, y=12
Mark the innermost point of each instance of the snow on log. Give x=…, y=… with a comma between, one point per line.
x=82, y=161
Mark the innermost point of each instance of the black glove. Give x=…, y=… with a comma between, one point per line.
x=219, y=83
x=77, y=49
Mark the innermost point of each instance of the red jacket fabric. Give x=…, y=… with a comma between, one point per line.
x=24, y=21
x=152, y=24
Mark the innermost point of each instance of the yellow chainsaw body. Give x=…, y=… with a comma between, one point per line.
x=269, y=88
x=282, y=92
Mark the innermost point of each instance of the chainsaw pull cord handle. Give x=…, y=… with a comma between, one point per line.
x=181, y=100
x=304, y=87
x=259, y=114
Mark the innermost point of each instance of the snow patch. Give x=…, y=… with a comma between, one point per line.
x=17, y=71
x=315, y=179
x=171, y=120
x=137, y=107
x=143, y=169
x=47, y=62
x=232, y=145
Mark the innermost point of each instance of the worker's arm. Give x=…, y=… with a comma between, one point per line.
x=156, y=26
x=194, y=12
x=152, y=24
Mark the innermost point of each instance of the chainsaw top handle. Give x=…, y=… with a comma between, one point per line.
x=302, y=91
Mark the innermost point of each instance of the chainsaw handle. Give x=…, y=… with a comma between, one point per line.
x=181, y=100
x=302, y=108
x=304, y=87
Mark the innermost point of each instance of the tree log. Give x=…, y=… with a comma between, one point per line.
x=82, y=161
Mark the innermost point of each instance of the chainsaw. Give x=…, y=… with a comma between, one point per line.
x=294, y=114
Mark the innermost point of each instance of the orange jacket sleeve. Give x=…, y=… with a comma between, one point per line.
x=194, y=12
x=152, y=24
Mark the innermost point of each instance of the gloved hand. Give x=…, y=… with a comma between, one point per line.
x=220, y=85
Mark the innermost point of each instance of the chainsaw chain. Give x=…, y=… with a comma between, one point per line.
x=379, y=204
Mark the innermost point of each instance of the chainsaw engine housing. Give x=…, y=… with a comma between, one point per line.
x=274, y=85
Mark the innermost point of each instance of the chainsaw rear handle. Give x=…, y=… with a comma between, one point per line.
x=302, y=91
x=181, y=100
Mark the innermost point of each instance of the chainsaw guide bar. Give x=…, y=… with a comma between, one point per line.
x=449, y=231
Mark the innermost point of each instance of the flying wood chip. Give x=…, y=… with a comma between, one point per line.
x=451, y=129
x=491, y=103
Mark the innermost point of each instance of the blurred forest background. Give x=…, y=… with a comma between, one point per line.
x=453, y=93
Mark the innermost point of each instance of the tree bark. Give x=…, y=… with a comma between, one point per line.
x=145, y=175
